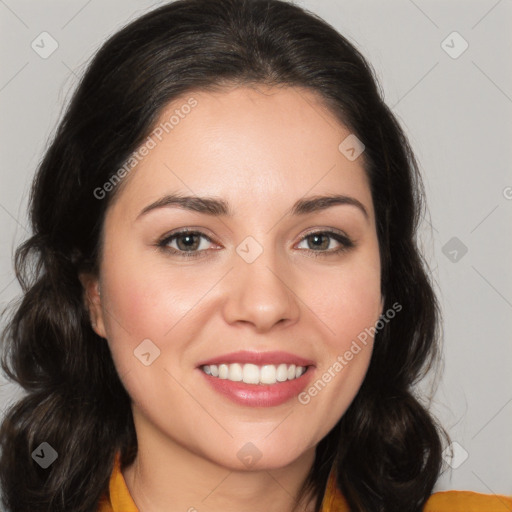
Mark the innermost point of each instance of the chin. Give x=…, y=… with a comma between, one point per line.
x=259, y=456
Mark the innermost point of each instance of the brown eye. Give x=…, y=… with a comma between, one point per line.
x=321, y=242
x=186, y=243
x=318, y=241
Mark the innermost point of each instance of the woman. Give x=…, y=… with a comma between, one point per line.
x=224, y=306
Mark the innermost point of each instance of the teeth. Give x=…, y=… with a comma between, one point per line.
x=223, y=371
x=282, y=373
x=268, y=374
x=235, y=373
x=253, y=374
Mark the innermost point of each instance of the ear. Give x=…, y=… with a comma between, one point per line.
x=92, y=299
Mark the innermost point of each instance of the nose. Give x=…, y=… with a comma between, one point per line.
x=261, y=293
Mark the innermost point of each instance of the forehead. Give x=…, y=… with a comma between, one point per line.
x=266, y=144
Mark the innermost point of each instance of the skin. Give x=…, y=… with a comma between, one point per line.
x=260, y=149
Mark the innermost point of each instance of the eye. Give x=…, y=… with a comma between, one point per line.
x=323, y=243
x=186, y=243
x=191, y=244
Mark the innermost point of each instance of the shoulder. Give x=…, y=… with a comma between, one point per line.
x=117, y=497
x=467, y=501
x=104, y=504
x=445, y=501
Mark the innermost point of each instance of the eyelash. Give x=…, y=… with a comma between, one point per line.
x=345, y=241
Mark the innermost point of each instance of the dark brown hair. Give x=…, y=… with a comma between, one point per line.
x=386, y=449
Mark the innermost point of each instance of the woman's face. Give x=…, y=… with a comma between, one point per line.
x=273, y=280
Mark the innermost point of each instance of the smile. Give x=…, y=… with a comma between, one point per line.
x=253, y=374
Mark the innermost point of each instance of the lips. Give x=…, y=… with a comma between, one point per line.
x=258, y=358
x=258, y=395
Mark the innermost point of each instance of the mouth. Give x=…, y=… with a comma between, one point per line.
x=258, y=379
x=253, y=374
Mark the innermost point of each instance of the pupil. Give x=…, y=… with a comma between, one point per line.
x=189, y=241
x=317, y=238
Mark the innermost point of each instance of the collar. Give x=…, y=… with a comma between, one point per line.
x=119, y=499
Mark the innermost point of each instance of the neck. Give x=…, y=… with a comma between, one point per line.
x=166, y=474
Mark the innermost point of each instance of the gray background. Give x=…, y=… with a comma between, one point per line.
x=457, y=113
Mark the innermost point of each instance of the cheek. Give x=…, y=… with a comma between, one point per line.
x=142, y=302
x=147, y=297
x=145, y=316
x=347, y=300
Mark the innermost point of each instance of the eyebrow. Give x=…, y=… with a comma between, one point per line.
x=218, y=207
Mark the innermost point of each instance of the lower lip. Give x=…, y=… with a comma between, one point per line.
x=260, y=395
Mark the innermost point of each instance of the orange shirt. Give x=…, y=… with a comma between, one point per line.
x=446, y=501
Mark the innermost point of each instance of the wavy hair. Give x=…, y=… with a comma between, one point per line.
x=386, y=449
